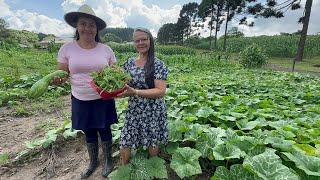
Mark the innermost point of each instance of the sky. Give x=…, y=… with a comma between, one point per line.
x=46, y=16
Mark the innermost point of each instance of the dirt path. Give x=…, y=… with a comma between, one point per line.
x=65, y=160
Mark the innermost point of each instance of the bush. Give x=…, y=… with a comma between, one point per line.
x=253, y=57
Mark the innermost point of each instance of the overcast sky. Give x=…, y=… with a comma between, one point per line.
x=46, y=16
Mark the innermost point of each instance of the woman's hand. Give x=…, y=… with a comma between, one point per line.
x=57, y=81
x=129, y=91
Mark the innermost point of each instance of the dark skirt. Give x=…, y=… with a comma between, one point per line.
x=92, y=114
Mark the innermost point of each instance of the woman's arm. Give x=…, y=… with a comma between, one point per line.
x=157, y=92
x=63, y=66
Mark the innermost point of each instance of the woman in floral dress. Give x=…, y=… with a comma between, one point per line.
x=146, y=115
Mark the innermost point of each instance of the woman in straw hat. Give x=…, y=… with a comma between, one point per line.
x=79, y=58
x=146, y=115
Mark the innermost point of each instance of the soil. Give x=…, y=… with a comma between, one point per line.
x=65, y=160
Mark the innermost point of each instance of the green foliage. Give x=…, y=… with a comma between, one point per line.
x=226, y=112
x=111, y=78
x=168, y=34
x=234, y=32
x=269, y=166
x=125, y=34
x=185, y=162
x=51, y=136
x=109, y=37
x=141, y=168
x=275, y=46
x=236, y=172
x=309, y=164
x=253, y=57
x=23, y=37
x=171, y=50
x=161, y=49
x=3, y=24
x=4, y=158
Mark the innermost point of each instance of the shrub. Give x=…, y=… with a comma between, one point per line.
x=253, y=57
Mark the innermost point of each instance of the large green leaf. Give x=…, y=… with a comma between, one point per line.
x=123, y=172
x=279, y=143
x=204, y=112
x=269, y=166
x=244, y=143
x=156, y=168
x=226, y=151
x=70, y=133
x=195, y=131
x=185, y=162
x=309, y=164
x=139, y=168
x=207, y=141
x=237, y=172
x=247, y=125
x=307, y=149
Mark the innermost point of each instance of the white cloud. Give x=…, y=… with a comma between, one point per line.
x=4, y=9
x=22, y=19
x=127, y=13
x=116, y=13
x=134, y=13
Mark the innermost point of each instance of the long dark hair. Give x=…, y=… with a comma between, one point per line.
x=77, y=36
x=149, y=66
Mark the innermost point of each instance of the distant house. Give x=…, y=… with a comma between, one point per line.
x=44, y=44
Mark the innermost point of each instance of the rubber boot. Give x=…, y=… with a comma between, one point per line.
x=107, y=155
x=93, y=151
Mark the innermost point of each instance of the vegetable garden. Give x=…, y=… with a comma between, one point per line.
x=225, y=122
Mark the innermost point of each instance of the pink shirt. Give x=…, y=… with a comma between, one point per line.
x=81, y=63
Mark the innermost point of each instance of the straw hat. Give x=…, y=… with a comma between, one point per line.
x=86, y=11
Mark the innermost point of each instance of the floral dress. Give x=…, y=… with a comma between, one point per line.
x=146, y=118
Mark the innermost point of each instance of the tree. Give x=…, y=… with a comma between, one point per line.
x=125, y=34
x=276, y=9
x=234, y=32
x=109, y=37
x=181, y=26
x=303, y=37
x=232, y=7
x=168, y=34
x=188, y=15
x=212, y=10
x=3, y=28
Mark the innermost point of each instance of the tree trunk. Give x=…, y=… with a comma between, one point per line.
x=304, y=31
x=211, y=24
x=225, y=31
x=217, y=22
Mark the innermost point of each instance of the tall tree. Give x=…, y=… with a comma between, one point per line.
x=304, y=32
x=207, y=11
x=168, y=34
x=212, y=10
x=188, y=16
x=274, y=8
x=181, y=26
x=3, y=28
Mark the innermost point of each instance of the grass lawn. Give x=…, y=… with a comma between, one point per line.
x=307, y=64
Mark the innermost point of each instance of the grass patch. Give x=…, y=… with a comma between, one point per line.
x=4, y=158
x=308, y=64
